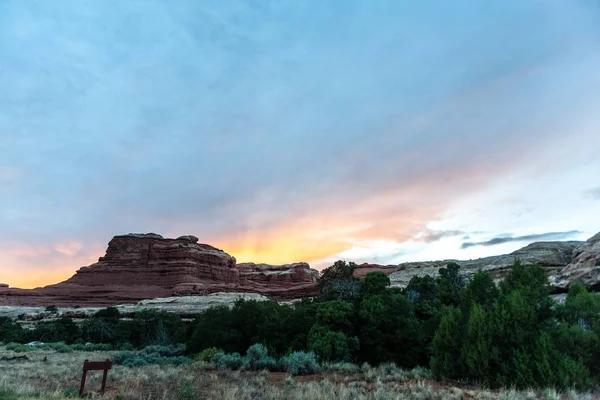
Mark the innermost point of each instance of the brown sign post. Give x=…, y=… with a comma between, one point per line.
x=95, y=366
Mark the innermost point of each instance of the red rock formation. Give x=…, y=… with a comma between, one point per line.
x=364, y=269
x=146, y=266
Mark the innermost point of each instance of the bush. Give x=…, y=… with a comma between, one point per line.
x=300, y=363
x=229, y=361
x=133, y=359
x=161, y=355
x=207, y=355
x=343, y=367
x=59, y=347
x=94, y=347
x=164, y=351
x=19, y=348
x=217, y=358
x=126, y=347
x=256, y=352
x=257, y=358
x=268, y=363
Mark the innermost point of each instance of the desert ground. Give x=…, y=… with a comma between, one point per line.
x=50, y=374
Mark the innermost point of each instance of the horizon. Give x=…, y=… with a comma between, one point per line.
x=311, y=266
x=283, y=132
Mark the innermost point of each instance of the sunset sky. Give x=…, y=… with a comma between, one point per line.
x=281, y=131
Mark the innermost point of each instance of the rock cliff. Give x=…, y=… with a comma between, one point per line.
x=147, y=266
x=564, y=262
x=584, y=266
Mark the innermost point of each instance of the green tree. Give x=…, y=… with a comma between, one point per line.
x=331, y=345
x=477, y=349
x=331, y=337
x=480, y=290
x=98, y=330
x=447, y=342
x=375, y=283
x=450, y=284
x=389, y=332
x=338, y=282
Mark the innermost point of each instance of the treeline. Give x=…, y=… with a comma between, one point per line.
x=507, y=335
x=146, y=328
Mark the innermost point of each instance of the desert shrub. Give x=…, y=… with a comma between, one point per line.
x=206, y=355
x=256, y=352
x=343, y=367
x=161, y=355
x=164, y=351
x=268, y=363
x=59, y=347
x=134, y=359
x=19, y=348
x=231, y=361
x=216, y=358
x=257, y=358
x=95, y=347
x=129, y=359
x=126, y=347
x=300, y=363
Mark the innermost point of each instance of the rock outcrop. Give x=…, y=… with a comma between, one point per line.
x=564, y=262
x=146, y=266
x=584, y=266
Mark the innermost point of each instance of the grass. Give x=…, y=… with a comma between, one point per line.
x=58, y=378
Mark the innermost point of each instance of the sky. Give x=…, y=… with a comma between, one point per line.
x=282, y=131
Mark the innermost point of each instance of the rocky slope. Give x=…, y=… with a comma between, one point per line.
x=584, y=266
x=146, y=266
x=563, y=261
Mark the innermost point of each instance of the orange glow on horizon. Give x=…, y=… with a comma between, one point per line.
x=330, y=227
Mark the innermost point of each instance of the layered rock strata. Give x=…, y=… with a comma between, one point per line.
x=147, y=266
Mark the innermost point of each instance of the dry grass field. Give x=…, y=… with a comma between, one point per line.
x=47, y=374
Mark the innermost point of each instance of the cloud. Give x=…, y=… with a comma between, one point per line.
x=526, y=238
x=71, y=248
x=593, y=193
x=430, y=235
x=271, y=140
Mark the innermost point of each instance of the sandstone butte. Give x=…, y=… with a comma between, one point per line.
x=147, y=266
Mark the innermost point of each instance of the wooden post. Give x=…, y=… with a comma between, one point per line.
x=83, y=376
x=104, y=379
x=95, y=366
